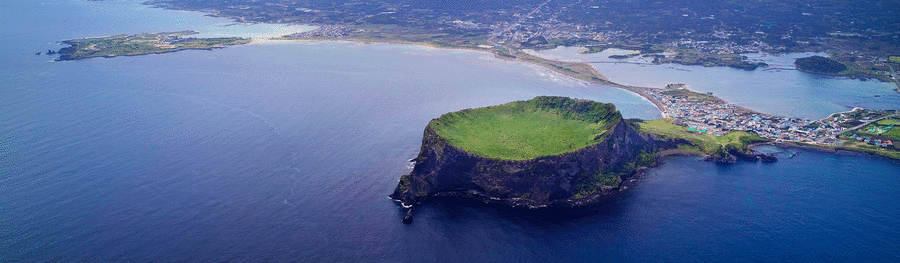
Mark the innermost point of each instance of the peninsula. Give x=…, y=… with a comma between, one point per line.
x=689, y=114
x=562, y=152
x=141, y=44
x=547, y=152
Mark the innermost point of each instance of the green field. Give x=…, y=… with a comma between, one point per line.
x=889, y=122
x=524, y=130
x=884, y=129
x=700, y=143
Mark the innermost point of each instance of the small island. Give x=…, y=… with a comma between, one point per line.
x=547, y=152
x=141, y=44
x=819, y=64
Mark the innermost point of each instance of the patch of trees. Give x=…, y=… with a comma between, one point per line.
x=819, y=64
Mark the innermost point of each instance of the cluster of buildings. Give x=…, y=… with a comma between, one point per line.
x=705, y=114
x=873, y=141
x=545, y=24
x=172, y=39
x=336, y=31
x=753, y=46
x=522, y=33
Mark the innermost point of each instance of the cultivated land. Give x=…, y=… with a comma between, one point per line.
x=142, y=44
x=886, y=129
x=879, y=137
x=527, y=129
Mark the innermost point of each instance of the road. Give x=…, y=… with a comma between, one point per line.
x=507, y=29
x=894, y=76
x=857, y=127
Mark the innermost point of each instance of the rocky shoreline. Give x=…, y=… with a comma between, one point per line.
x=824, y=149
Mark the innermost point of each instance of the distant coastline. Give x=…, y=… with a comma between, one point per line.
x=171, y=42
x=583, y=71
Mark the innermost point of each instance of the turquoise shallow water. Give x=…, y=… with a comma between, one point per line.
x=287, y=152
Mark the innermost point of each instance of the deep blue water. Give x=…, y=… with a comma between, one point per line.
x=287, y=152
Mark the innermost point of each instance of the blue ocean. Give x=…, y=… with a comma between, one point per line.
x=286, y=152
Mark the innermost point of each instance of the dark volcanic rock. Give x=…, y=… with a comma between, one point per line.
x=66, y=52
x=408, y=218
x=744, y=156
x=733, y=156
x=722, y=159
x=767, y=158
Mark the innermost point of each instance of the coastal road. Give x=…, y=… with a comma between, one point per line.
x=621, y=62
x=857, y=127
x=894, y=76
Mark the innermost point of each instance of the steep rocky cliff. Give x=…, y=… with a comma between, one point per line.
x=571, y=179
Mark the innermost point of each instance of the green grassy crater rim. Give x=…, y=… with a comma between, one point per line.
x=522, y=130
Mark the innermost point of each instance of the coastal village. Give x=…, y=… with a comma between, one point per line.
x=704, y=113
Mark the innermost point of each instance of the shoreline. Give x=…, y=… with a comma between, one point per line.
x=677, y=152
x=60, y=59
x=640, y=91
x=695, y=55
x=581, y=71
